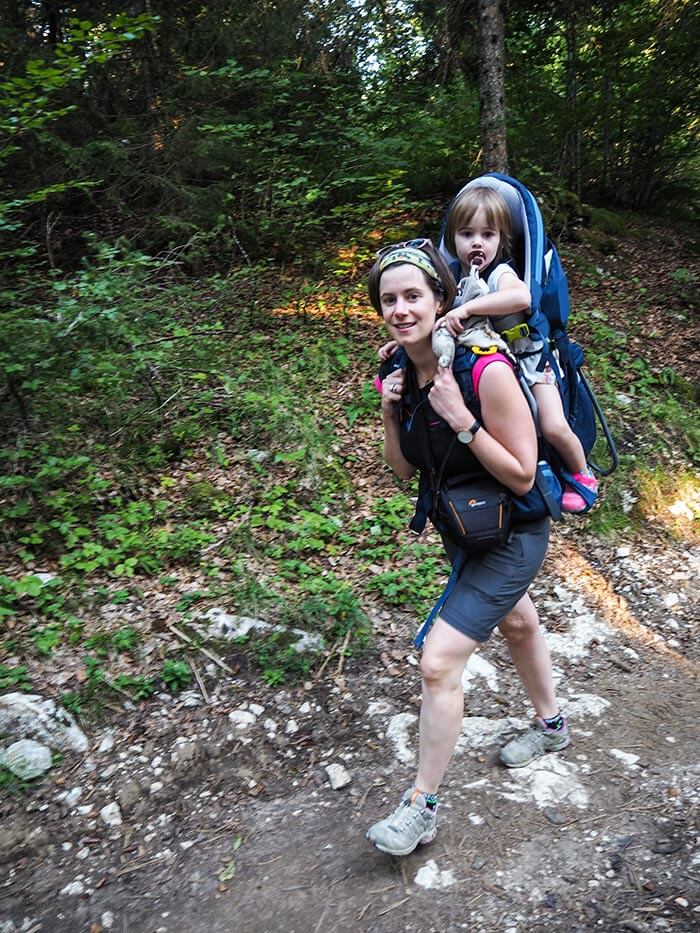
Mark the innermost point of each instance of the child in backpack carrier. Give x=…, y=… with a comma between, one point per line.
x=492, y=302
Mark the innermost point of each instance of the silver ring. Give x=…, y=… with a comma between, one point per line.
x=395, y=387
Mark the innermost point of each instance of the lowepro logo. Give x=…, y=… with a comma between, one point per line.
x=472, y=503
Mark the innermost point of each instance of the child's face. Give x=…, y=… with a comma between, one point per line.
x=477, y=242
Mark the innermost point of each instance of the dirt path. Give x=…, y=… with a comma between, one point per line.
x=230, y=822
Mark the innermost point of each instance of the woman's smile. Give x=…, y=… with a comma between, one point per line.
x=409, y=305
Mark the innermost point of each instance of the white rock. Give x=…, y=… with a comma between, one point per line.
x=241, y=718
x=398, y=731
x=338, y=776
x=627, y=758
x=190, y=698
x=224, y=625
x=44, y=576
x=256, y=708
x=430, y=876
x=479, y=667
x=305, y=708
x=379, y=708
x=73, y=796
x=27, y=715
x=111, y=815
x=292, y=727
x=27, y=759
x=74, y=888
x=671, y=599
x=107, y=920
x=624, y=551
x=107, y=743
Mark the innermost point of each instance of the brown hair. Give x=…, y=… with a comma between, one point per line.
x=442, y=283
x=497, y=216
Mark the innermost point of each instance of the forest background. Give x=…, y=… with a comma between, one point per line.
x=191, y=197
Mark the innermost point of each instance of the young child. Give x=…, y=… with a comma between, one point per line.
x=478, y=233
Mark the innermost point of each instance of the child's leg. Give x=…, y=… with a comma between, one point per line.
x=555, y=428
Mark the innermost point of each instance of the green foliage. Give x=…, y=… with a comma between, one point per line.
x=175, y=675
x=278, y=659
x=138, y=686
x=14, y=678
x=10, y=783
x=364, y=406
x=35, y=99
x=417, y=584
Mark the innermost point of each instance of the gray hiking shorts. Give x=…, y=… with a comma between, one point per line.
x=491, y=583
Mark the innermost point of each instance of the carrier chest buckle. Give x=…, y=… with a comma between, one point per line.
x=518, y=332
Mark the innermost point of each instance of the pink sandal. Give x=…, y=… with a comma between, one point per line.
x=573, y=501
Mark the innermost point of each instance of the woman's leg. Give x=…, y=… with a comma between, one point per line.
x=556, y=429
x=445, y=655
x=530, y=654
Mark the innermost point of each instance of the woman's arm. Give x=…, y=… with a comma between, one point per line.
x=392, y=390
x=507, y=444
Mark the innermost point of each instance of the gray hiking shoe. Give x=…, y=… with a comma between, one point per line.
x=534, y=743
x=411, y=824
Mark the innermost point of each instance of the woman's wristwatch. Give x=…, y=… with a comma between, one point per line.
x=466, y=435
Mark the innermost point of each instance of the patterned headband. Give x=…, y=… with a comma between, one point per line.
x=413, y=257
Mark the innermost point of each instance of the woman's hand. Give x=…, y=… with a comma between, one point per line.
x=387, y=350
x=447, y=401
x=392, y=389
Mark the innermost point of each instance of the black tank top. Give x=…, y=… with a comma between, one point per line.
x=420, y=423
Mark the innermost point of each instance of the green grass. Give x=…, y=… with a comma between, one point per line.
x=162, y=435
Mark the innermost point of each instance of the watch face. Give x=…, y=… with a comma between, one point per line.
x=465, y=437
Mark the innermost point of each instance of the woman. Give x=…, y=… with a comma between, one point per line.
x=410, y=285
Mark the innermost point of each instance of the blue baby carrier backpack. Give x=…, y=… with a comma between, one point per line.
x=537, y=263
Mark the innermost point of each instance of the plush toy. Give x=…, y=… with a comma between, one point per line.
x=477, y=328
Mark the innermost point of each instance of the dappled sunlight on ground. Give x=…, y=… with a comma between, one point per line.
x=579, y=574
x=673, y=500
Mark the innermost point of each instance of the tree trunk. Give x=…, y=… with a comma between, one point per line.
x=571, y=152
x=606, y=105
x=492, y=90
x=149, y=71
x=52, y=16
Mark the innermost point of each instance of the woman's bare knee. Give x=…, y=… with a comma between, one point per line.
x=521, y=622
x=445, y=653
x=435, y=669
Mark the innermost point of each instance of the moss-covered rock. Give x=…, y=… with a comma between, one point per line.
x=605, y=221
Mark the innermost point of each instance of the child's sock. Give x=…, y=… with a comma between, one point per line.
x=555, y=723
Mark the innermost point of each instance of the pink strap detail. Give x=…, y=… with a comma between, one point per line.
x=378, y=384
x=482, y=363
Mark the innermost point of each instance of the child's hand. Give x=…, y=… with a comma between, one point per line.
x=452, y=320
x=387, y=351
